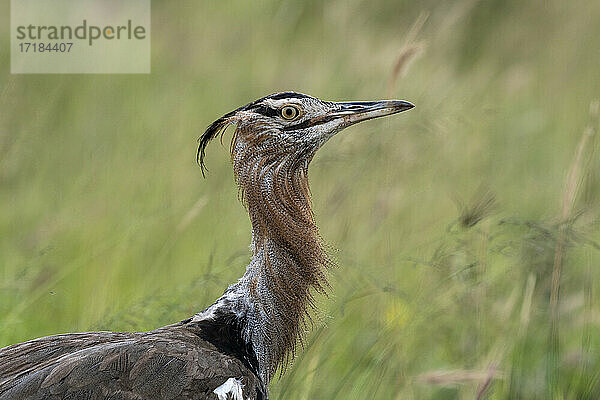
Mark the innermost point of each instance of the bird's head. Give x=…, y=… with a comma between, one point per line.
x=291, y=126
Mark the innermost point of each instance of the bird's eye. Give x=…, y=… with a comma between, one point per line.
x=289, y=112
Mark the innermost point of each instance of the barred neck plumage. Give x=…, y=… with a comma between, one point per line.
x=273, y=299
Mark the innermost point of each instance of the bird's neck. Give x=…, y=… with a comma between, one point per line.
x=273, y=298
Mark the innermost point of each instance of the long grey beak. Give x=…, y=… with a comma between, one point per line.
x=357, y=111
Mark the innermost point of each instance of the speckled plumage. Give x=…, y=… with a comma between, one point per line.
x=235, y=346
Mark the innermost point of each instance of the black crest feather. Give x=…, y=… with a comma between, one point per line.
x=212, y=132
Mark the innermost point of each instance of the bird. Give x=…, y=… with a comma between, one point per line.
x=234, y=347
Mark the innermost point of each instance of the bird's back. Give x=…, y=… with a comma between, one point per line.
x=173, y=362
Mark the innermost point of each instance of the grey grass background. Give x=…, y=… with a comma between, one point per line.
x=467, y=230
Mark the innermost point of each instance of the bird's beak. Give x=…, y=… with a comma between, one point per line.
x=353, y=112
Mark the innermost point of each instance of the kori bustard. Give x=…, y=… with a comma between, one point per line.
x=232, y=349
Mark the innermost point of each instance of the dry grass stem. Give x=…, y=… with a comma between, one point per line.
x=191, y=214
x=408, y=52
x=572, y=185
x=458, y=377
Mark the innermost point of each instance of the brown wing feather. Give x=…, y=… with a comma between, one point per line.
x=169, y=363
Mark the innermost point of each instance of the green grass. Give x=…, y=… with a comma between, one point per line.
x=106, y=222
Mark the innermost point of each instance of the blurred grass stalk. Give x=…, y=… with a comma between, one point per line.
x=573, y=182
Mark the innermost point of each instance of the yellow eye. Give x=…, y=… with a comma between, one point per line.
x=289, y=112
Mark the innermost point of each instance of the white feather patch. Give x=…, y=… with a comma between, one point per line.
x=230, y=390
